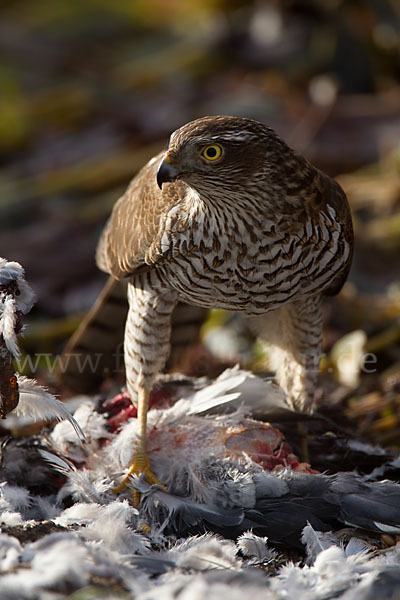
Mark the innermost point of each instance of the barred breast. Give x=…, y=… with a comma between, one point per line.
x=240, y=259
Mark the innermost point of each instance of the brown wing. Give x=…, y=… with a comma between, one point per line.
x=316, y=192
x=335, y=197
x=130, y=237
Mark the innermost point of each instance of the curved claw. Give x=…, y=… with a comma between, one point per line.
x=139, y=464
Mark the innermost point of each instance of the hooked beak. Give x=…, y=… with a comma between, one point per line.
x=166, y=172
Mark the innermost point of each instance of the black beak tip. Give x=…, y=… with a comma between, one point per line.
x=166, y=173
x=160, y=178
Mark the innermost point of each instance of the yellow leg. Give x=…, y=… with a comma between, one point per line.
x=140, y=462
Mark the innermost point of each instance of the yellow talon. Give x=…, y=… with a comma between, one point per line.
x=140, y=461
x=140, y=464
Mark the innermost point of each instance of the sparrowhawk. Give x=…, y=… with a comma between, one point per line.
x=230, y=217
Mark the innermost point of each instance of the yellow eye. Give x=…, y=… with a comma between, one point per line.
x=212, y=152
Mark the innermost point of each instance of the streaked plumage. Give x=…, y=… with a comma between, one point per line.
x=257, y=229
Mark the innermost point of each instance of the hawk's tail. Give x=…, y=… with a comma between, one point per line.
x=95, y=350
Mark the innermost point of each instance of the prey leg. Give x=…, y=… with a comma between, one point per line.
x=140, y=462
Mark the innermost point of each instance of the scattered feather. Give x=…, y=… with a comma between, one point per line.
x=316, y=542
x=237, y=390
x=256, y=547
x=37, y=403
x=212, y=487
x=59, y=463
x=356, y=547
x=12, y=301
x=7, y=325
x=10, y=550
x=10, y=271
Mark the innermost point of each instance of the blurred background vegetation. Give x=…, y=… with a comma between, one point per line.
x=91, y=89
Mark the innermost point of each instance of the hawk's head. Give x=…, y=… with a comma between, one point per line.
x=220, y=153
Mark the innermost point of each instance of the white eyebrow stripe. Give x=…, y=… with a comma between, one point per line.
x=235, y=136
